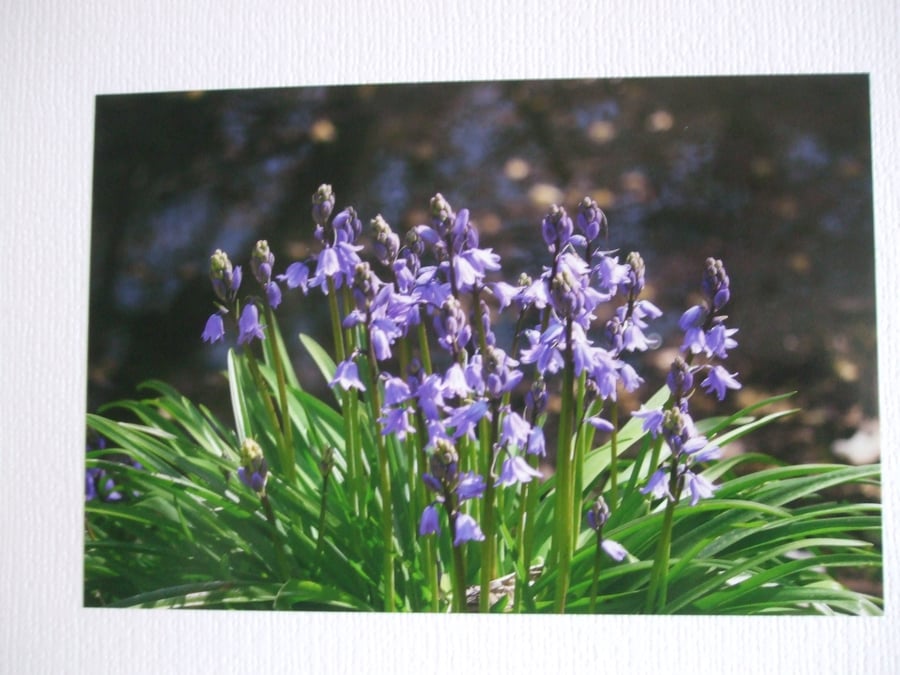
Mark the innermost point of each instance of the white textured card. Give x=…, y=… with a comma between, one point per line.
x=55, y=57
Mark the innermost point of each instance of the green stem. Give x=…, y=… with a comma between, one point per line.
x=488, y=433
x=527, y=509
x=563, y=525
x=424, y=349
x=287, y=436
x=458, y=577
x=595, y=580
x=582, y=436
x=349, y=410
x=430, y=552
x=613, y=458
x=323, y=507
x=280, y=559
x=267, y=402
x=384, y=481
x=336, y=330
x=659, y=579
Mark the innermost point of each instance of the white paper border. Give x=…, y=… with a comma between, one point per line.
x=56, y=56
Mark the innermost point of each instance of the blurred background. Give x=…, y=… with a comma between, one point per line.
x=771, y=174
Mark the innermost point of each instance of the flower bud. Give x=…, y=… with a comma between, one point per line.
x=536, y=399
x=254, y=470
x=323, y=204
x=441, y=214
x=591, y=221
x=222, y=275
x=347, y=225
x=261, y=261
x=566, y=293
x=680, y=379
x=634, y=278
x=387, y=243
x=598, y=514
x=444, y=462
x=363, y=285
x=556, y=228
x=716, y=284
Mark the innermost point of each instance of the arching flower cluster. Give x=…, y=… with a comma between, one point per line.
x=580, y=279
x=226, y=282
x=705, y=336
x=437, y=279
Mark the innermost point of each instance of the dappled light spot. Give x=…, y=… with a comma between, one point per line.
x=661, y=120
x=323, y=131
x=517, y=168
x=637, y=185
x=543, y=194
x=800, y=263
x=846, y=369
x=601, y=131
x=605, y=198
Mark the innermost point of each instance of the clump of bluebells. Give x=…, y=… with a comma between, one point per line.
x=416, y=354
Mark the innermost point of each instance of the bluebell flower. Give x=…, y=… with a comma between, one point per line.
x=658, y=485
x=465, y=418
x=396, y=421
x=545, y=350
x=470, y=485
x=514, y=430
x=691, y=324
x=516, y=470
x=610, y=274
x=454, y=384
x=467, y=530
x=430, y=397
x=653, y=420
x=719, y=340
x=629, y=378
x=699, y=487
x=614, y=550
x=719, y=380
x=273, y=294
x=346, y=375
x=249, y=325
x=296, y=276
x=600, y=424
x=215, y=329
x=430, y=522
x=701, y=450
x=396, y=391
x=504, y=292
x=537, y=444
x=338, y=263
